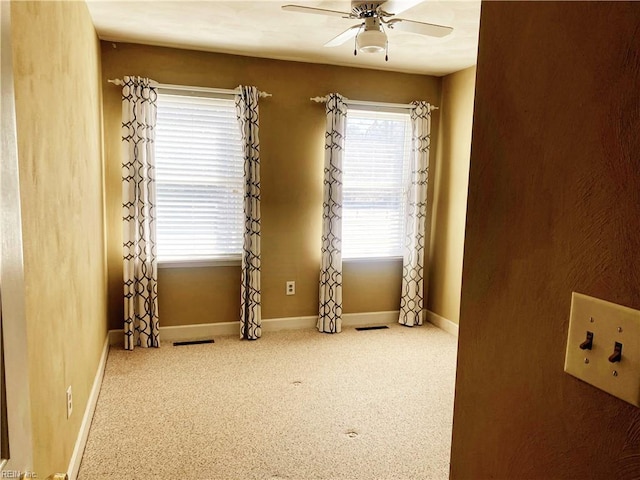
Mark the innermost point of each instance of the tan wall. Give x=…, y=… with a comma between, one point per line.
x=554, y=207
x=450, y=195
x=58, y=112
x=292, y=147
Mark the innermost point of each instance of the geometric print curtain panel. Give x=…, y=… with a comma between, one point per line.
x=330, y=312
x=250, y=307
x=140, y=268
x=412, y=293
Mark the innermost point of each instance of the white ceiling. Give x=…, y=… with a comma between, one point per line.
x=261, y=29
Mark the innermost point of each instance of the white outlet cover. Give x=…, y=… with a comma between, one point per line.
x=69, y=402
x=609, y=323
x=291, y=288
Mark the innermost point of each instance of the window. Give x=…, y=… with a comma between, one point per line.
x=199, y=178
x=375, y=174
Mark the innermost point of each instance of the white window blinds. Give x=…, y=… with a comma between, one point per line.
x=375, y=174
x=199, y=178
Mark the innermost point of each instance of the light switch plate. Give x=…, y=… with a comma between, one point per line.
x=609, y=323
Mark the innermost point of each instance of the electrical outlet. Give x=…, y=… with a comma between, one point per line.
x=603, y=347
x=69, y=401
x=291, y=288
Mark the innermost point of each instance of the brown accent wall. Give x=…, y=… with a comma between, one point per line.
x=450, y=193
x=58, y=114
x=554, y=207
x=292, y=148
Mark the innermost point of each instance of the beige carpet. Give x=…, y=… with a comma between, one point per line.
x=292, y=405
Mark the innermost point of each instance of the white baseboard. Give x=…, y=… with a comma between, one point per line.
x=116, y=337
x=83, y=434
x=370, y=318
x=287, y=323
x=180, y=333
x=442, y=323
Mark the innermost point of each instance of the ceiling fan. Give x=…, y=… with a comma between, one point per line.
x=375, y=18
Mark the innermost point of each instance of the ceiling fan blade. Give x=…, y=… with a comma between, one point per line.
x=318, y=11
x=429, y=29
x=344, y=36
x=395, y=7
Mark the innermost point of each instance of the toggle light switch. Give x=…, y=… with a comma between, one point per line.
x=588, y=343
x=616, y=356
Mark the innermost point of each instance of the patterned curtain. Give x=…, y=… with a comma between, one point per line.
x=330, y=314
x=141, y=326
x=412, y=299
x=250, y=310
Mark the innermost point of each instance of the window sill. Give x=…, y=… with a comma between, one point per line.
x=372, y=259
x=208, y=262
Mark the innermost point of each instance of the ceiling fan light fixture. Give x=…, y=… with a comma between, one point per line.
x=372, y=41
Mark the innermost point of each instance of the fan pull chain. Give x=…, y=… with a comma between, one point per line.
x=355, y=40
x=386, y=44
